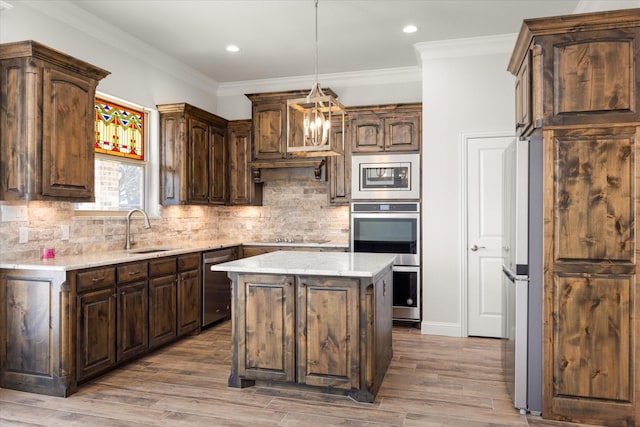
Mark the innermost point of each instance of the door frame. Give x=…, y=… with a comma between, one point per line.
x=465, y=138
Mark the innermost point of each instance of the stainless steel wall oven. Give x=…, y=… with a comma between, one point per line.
x=385, y=227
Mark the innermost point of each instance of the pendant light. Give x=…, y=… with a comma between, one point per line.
x=310, y=119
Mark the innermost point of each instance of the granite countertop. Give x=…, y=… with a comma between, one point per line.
x=345, y=264
x=97, y=259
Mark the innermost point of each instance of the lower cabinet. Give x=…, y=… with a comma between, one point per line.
x=35, y=334
x=163, y=285
x=133, y=323
x=96, y=332
x=59, y=329
x=188, y=301
x=328, y=351
x=329, y=332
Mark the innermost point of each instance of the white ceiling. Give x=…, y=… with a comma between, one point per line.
x=277, y=37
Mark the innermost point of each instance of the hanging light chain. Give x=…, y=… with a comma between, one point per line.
x=316, y=2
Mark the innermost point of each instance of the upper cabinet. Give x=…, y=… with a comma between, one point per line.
x=577, y=85
x=47, y=124
x=242, y=189
x=568, y=77
x=387, y=128
x=193, y=156
x=269, y=115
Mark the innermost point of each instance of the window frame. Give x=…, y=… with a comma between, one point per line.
x=150, y=163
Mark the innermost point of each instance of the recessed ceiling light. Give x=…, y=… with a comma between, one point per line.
x=233, y=48
x=410, y=29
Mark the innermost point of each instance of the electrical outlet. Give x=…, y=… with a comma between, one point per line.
x=65, y=232
x=24, y=235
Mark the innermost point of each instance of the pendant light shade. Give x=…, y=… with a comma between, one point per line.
x=315, y=124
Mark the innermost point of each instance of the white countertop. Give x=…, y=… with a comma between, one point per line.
x=97, y=259
x=345, y=264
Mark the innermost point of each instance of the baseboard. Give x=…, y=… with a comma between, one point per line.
x=441, y=328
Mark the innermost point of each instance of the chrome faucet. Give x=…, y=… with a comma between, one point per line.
x=127, y=244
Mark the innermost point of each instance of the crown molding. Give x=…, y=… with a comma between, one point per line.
x=75, y=17
x=465, y=47
x=351, y=79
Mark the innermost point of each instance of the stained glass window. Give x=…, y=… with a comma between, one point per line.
x=119, y=130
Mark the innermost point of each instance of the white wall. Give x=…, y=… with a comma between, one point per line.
x=139, y=73
x=389, y=86
x=466, y=89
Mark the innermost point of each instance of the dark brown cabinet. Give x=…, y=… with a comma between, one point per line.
x=242, y=189
x=163, y=285
x=47, y=123
x=193, y=156
x=267, y=351
x=269, y=117
x=96, y=321
x=188, y=295
x=339, y=168
x=62, y=328
x=582, y=78
x=133, y=328
x=328, y=332
x=386, y=128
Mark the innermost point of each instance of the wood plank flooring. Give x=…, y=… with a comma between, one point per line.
x=432, y=381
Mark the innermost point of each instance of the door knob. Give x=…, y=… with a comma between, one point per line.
x=476, y=247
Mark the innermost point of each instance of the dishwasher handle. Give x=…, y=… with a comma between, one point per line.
x=217, y=258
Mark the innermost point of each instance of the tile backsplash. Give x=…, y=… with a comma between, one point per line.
x=295, y=206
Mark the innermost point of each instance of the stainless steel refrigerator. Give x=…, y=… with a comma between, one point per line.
x=522, y=278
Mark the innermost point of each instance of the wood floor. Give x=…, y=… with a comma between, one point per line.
x=432, y=381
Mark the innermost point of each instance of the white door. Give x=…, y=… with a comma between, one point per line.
x=484, y=235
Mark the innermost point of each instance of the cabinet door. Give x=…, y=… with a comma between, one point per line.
x=241, y=185
x=188, y=301
x=172, y=155
x=523, y=96
x=328, y=332
x=267, y=350
x=198, y=155
x=590, y=285
x=268, y=125
x=16, y=167
x=218, y=166
x=96, y=350
x=402, y=132
x=67, y=136
x=162, y=310
x=367, y=134
x=133, y=321
x=591, y=77
x=339, y=169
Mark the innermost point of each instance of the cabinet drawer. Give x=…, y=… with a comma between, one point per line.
x=162, y=267
x=189, y=262
x=131, y=272
x=95, y=279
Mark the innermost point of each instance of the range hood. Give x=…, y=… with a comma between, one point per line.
x=316, y=163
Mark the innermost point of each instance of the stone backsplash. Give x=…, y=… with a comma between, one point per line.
x=295, y=206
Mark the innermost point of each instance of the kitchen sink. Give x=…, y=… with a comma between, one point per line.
x=149, y=250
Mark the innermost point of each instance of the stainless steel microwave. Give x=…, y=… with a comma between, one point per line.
x=385, y=177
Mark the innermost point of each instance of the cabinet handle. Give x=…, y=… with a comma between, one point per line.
x=133, y=273
x=384, y=288
x=97, y=279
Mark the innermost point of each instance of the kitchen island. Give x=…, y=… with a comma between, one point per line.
x=320, y=320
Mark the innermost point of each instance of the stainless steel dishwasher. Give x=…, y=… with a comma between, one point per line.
x=216, y=286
